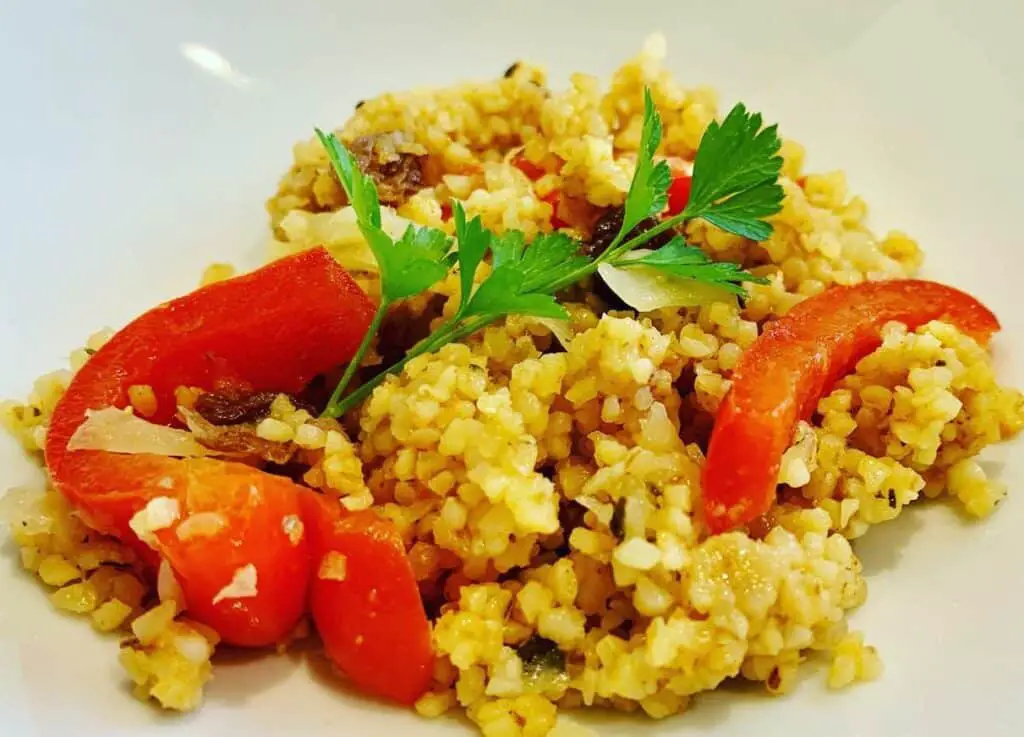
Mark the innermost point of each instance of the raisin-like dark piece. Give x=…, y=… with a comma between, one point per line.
x=608, y=225
x=386, y=158
x=237, y=408
x=234, y=408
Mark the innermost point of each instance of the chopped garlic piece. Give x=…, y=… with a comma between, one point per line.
x=242, y=586
x=293, y=528
x=167, y=586
x=333, y=567
x=194, y=647
x=160, y=513
x=201, y=524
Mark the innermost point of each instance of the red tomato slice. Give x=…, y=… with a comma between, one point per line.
x=795, y=361
x=679, y=188
x=370, y=617
x=678, y=194
x=273, y=329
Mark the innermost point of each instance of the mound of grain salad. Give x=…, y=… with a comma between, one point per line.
x=547, y=398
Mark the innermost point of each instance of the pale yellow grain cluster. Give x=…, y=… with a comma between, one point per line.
x=26, y=420
x=910, y=420
x=335, y=463
x=585, y=136
x=95, y=576
x=332, y=461
x=168, y=659
x=451, y=451
x=88, y=573
x=646, y=612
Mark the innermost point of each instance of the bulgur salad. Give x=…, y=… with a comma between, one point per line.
x=546, y=399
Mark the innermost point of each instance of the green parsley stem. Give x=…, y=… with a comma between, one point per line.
x=639, y=240
x=334, y=408
x=447, y=333
x=614, y=252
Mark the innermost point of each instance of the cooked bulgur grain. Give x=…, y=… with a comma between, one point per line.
x=548, y=497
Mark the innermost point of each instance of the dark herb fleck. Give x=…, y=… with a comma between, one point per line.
x=511, y=70
x=618, y=523
x=892, y=498
x=360, y=104
x=539, y=654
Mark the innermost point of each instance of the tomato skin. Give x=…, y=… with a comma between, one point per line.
x=273, y=329
x=678, y=193
x=372, y=623
x=793, y=364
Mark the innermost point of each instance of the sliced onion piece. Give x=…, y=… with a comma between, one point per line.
x=646, y=289
x=561, y=329
x=119, y=431
x=339, y=232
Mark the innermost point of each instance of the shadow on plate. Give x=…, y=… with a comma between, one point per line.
x=243, y=674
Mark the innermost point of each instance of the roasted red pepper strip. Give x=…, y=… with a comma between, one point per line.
x=532, y=171
x=795, y=361
x=273, y=329
x=365, y=601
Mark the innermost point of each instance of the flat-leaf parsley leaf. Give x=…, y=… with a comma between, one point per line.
x=648, y=192
x=686, y=262
x=735, y=187
x=735, y=175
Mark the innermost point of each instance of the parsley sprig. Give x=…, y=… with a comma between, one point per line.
x=415, y=262
x=735, y=187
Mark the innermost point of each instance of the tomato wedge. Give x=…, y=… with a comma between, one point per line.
x=238, y=526
x=794, y=362
x=365, y=601
x=679, y=188
x=273, y=329
x=678, y=194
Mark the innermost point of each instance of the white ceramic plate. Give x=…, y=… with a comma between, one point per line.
x=127, y=167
